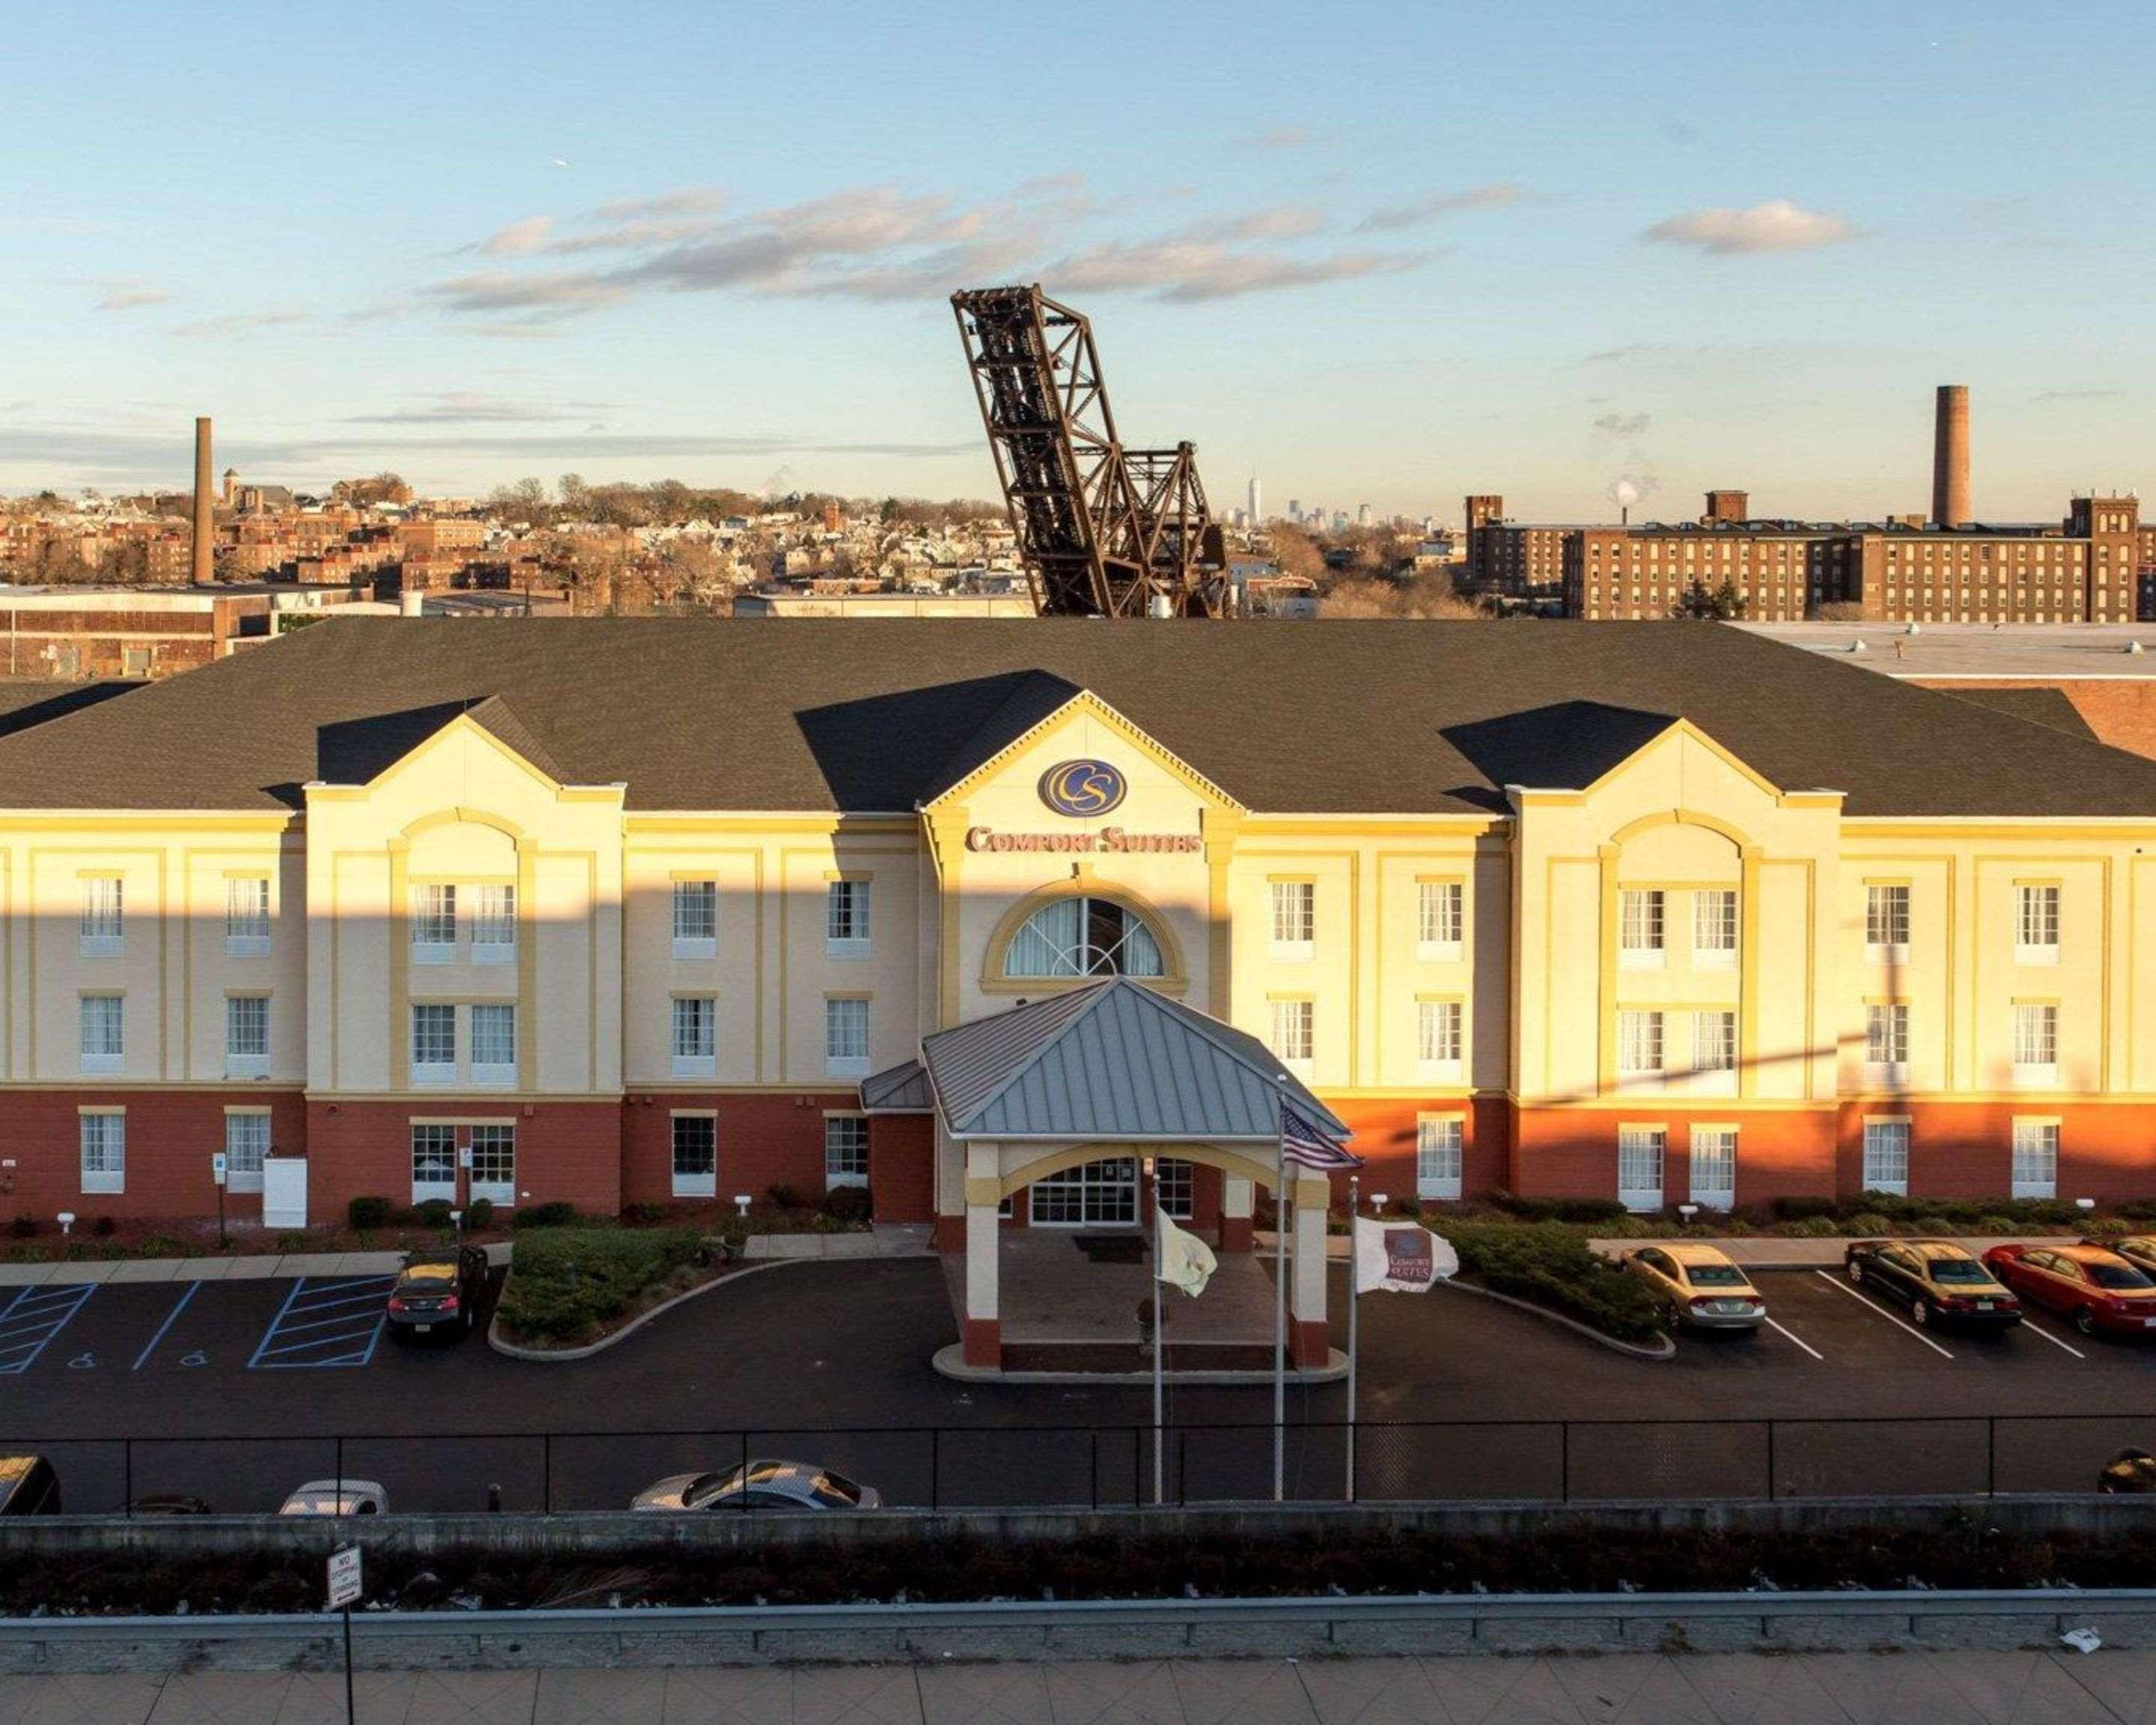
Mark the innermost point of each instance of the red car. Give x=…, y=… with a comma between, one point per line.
x=2095, y=1288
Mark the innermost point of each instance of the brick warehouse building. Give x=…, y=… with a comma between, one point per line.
x=616, y=910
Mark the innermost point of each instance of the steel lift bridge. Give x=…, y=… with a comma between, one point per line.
x=1103, y=531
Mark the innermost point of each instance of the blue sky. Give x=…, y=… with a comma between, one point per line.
x=1376, y=252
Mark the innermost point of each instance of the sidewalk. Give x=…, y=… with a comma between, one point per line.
x=261, y=1267
x=1936, y=1688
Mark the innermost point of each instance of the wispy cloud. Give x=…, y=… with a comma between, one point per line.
x=1187, y=272
x=1624, y=424
x=2079, y=395
x=1277, y=137
x=518, y=237
x=471, y=409
x=1436, y=205
x=131, y=296
x=237, y=323
x=1776, y=226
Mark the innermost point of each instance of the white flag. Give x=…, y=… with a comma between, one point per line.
x=1400, y=1257
x=1180, y=1258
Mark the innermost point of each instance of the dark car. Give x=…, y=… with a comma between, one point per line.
x=1936, y=1280
x=2091, y=1287
x=2139, y=1250
x=437, y=1292
x=28, y=1487
x=768, y=1485
x=2129, y=1473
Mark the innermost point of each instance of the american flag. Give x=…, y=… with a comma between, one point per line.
x=1303, y=1143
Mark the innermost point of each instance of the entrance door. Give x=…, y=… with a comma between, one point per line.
x=494, y=1165
x=1714, y=1166
x=284, y=1192
x=1639, y=1166
x=1097, y=1194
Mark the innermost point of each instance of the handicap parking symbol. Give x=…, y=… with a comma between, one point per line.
x=197, y=1358
x=82, y=1363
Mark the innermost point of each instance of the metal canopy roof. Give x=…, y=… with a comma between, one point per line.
x=898, y=1089
x=1112, y=1059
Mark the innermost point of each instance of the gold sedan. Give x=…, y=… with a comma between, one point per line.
x=1697, y=1286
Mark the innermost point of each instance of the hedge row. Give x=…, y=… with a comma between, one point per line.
x=1550, y=1265
x=566, y=1284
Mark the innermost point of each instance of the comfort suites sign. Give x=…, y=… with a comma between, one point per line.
x=1083, y=790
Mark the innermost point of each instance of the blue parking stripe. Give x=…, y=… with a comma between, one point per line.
x=32, y=1318
x=193, y=1288
x=336, y=1322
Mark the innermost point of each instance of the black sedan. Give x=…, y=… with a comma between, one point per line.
x=437, y=1292
x=1938, y=1281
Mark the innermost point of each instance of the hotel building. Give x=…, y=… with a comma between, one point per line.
x=990, y=915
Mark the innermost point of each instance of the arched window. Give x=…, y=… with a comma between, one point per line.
x=1083, y=937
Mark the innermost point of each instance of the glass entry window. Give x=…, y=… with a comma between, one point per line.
x=1080, y=937
x=1097, y=1194
x=1714, y=1166
x=494, y=1164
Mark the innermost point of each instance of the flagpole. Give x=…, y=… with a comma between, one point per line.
x=1354, y=1306
x=1159, y=1351
x=1280, y=1215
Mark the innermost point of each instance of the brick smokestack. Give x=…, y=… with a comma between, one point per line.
x=202, y=568
x=1950, y=458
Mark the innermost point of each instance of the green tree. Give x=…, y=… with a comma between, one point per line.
x=1721, y=604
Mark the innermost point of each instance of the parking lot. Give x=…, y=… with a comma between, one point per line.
x=236, y=1391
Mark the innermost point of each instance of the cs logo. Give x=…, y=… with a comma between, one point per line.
x=1082, y=788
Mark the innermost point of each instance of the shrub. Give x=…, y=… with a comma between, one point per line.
x=848, y=1204
x=565, y=1283
x=1809, y=1228
x=22, y=1227
x=1410, y=1207
x=786, y=1198
x=643, y=1213
x=364, y=1214
x=1803, y=1210
x=1993, y=1224
x=165, y=1245
x=435, y=1212
x=557, y=1213
x=480, y=1213
x=1561, y=1209
x=104, y=1227
x=1554, y=1268
x=1932, y=1224
x=1870, y=1222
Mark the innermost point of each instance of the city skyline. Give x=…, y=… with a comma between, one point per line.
x=1516, y=251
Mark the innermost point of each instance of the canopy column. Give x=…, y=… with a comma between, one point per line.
x=1236, y=1200
x=1308, y=1337
x=984, y=1330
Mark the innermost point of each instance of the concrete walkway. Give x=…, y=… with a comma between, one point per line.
x=1936, y=1688
x=262, y=1266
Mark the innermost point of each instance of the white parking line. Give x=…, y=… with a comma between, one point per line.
x=1796, y=1338
x=1867, y=1300
x=2037, y=1329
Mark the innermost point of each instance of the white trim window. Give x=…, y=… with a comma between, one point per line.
x=1641, y=1151
x=1887, y=1041
x=695, y=919
x=246, y=1145
x=848, y=918
x=1714, y=929
x=1175, y=1188
x=1440, y=1157
x=433, y=1164
x=2035, y=1158
x=1095, y=1195
x=1714, y=1047
x=1887, y=922
x=845, y=1036
x=1639, y=1043
x=104, y=1140
x=1295, y=1033
x=846, y=1150
x=694, y=1041
x=1886, y=1157
x=434, y=923
x=2036, y=924
x=104, y=1034
x=1083, y=937
x=1440, y=921
x=2036, y=1045
x=247, y=1035
x=1437, y=1038
x=434, y=1042
x=493, y=925
x=494, y=1043
x=696, y=1156
x=247, y=916
x=103, y=926
x=494, y=1164
x=1640, y=928
x=1714, y=1166
x=1295, y=919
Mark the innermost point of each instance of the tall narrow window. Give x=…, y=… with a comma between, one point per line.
x=494, y=1164
x=1440, y=920
x=1639, y=929
x=846, y=1038
x=494, y=1043
x=103, y=1150
x=1638, y=1043
x=1887, y=922
x=1886, y=1157
x=2036, y=925
x=1439, y=1155
x=104, y=1046
x=846, y=919
x=246, y=1035
x=433, y=1043
x=846, y=1150
x=1714, y=1166
x=2036, y=1043
x=433, y=1164
x=1294, y=1031
x=1174, y=1187
x=2035, y=1158
x=695, y=919
x=247, y=916
x=493, y=925
x=1640, y=1151
x=433, y=924
x=1714, y=1042
x=1714, y=929
x=1886, y=1039
x=1437, y=1038
x=246, y=1144
x=1294, y=918
x=696, y=1036
x=103, y=926
x=696, y=1156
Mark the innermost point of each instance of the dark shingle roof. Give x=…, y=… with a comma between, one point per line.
x=810, y=715
x=25, y=701
x=2040, y=706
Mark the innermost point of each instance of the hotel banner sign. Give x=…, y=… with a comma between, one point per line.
x=1114, y=841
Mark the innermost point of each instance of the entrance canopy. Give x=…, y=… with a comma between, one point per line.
x=1111, y=1061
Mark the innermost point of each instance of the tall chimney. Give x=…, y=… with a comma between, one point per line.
x=202, y=567
x=1950, y=458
